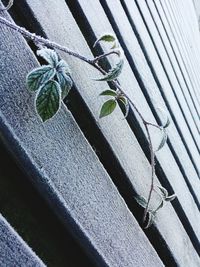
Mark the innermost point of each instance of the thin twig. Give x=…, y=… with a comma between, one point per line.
x=9, y=5
x=93, y=62
x=96, y=59
x=152, y=172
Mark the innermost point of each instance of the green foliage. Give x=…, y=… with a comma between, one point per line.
x=113, y=73
x=151, y=219
x=106, y=38
x=163, y=140
x=170, y=198
x=109, y=93
x=39, y=76
x=141, y=201
x=163, y=191
x=65, y=83
x=167, y=123
x=48, y=100
x=49, y=55
x=53, y=83
x=107, y=108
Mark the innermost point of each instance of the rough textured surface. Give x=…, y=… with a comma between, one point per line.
x=175, y=59
x=152, y=90
x=178, y=183
x=13, y=250
x=127, y=145
x=182, y=46
x=63, y=166
x=162, y=65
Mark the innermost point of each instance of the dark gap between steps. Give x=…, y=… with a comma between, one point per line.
x=139, y=78
x=154, y=21
x=31, y=217
x=162, y=63
x=174, y=50
x=160, y=174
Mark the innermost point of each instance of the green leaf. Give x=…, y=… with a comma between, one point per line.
x=109, y=93
x=62, y=66
x=106, y=38
x=151, y=218
x=167, y=123
x=141, y=201
x=65, y=83
x=107, y=108
x=163, y=191
x=170, y=198
x=163, y=141
x=49, y=55
x=113, y=73
x=48, y=100
x=39, y=76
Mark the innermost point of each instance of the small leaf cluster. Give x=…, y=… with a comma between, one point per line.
x=52, y=83
x=153, y=212
x=164, y=135
x=109, y=106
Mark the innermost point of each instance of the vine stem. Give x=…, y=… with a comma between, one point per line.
x=93, y=62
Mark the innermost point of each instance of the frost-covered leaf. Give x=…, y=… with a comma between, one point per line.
x=39, y=76
x=170, y=198
x=65, y=83
x=163, y=140
x=141, y=201
x=163, y=191
x=62, y=66
x=109, y=93
x=151, y=218
x=113, y=73
x=49, y=55
x=107, y=108
x=48, y=100
x=108, y=37
x=167, y=123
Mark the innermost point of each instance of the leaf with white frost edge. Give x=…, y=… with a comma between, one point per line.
x=48, y=100
x=39, y=76
x=113, y=73
x=163, y=141
x=141, y=201
x=170, y=198
x=151, y=218
x=49, y=55
x=167, y=123
x=63, y=67
x=65, y=83
x=108, y=37
x=163, y=191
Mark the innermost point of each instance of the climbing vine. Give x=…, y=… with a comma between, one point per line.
x=52, y=82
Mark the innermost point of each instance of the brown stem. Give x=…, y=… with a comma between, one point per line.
x=96, y=59
x=93, y=62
